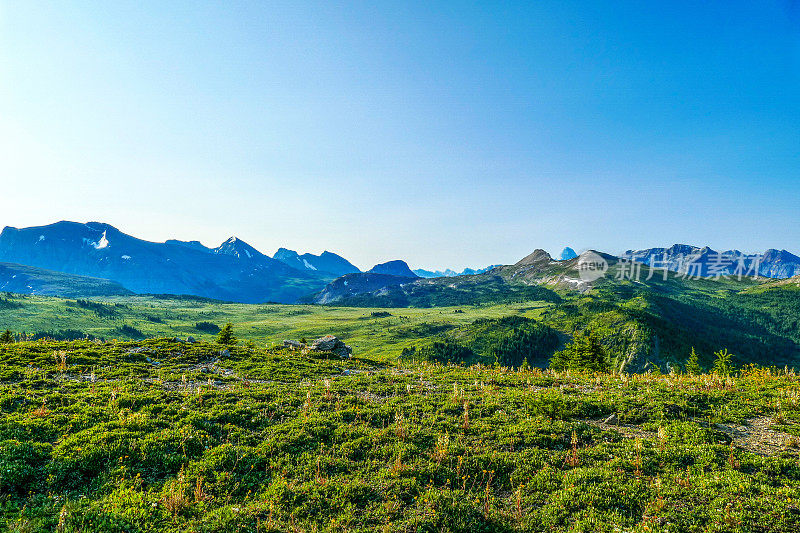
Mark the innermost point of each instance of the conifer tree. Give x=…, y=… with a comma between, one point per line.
x=722, y=364
x=226, y=336
x=586, y=352
x=693, y=364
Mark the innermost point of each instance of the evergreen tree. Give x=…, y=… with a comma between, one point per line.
x=561, y=360
x=525, y=344
x=226, y=336
x=693, y=364
x=722, y=364
x=585, y=352
x=6, y=337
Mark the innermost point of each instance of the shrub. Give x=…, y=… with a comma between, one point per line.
x=446, y=352
x=207, y=327
x=131, y=331
x=21, y=465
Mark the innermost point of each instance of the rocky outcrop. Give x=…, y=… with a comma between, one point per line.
x=331, y=344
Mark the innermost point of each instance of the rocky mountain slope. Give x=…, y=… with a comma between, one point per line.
x=393, y=268
x=705, y=262
x=233, y=271
x=327, y=263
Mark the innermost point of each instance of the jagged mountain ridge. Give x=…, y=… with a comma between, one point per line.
x=327, y=262
x=233, y=271
x=706, y=262
x=449, y=273
x=377, y=281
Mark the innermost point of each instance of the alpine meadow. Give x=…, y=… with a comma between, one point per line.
x=451, y=301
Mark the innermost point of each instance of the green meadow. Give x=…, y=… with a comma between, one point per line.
x=376, y=333
x=160, y=435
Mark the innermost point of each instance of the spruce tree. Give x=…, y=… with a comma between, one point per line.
x=226, y=336
x=585, y=352
x=693, y=364
x=722, y=364
x=6, y=337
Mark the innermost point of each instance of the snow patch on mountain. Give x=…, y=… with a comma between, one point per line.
x=97, y=245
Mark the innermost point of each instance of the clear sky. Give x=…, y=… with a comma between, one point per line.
x=446, y=134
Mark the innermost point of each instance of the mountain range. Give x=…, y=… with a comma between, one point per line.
x=449, y=273
x=705, y=262
x=76, y=259
x=233, y=271
x=326, y=263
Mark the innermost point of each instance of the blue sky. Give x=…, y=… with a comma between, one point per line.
x=446, y=134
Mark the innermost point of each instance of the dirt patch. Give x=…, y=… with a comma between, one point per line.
x=627, y=431
x=755, y=436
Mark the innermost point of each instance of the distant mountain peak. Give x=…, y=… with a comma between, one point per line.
x=567, y=254
x=538, y=256
x=449, y=272
x=706, y=262
x=393, y=268
x=325, y=263
x=238, y=248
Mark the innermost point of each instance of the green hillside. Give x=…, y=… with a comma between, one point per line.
x=159, y=435
x=32, y=280
x=642, y=325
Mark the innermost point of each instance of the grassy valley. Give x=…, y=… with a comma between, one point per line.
x=124, y=413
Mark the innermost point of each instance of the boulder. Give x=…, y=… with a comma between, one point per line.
x=293, y=345
x=612, y=420
x=329, y=343
x=190, y=339
x=139, y=349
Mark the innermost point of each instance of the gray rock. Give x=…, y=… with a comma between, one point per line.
x=139, y=349
x=190, y=339
x=293, y=345
x=325, y=344
x=330, y=343
x=224, y=353
x=612, y=420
